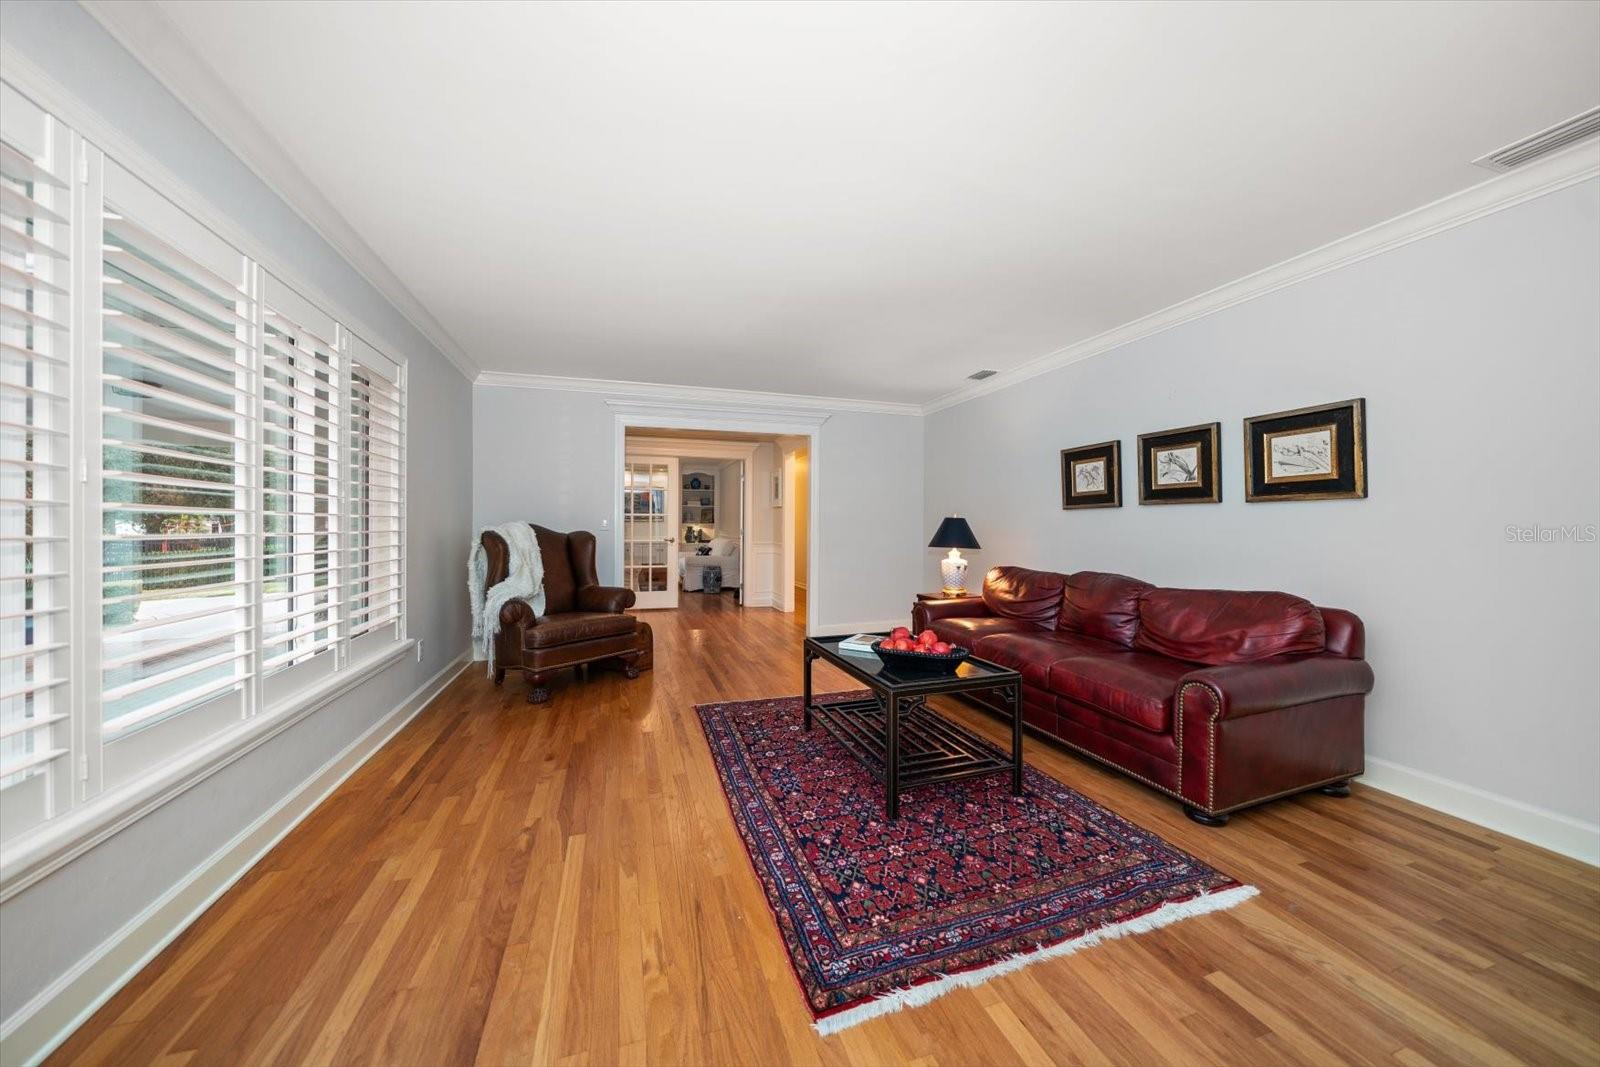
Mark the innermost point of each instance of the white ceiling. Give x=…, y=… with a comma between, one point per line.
x=869, y=201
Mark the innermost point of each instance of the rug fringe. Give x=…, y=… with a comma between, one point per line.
x=917, y=995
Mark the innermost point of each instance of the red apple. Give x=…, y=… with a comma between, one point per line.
x=927, y=637
x=904, y=644
x=899, y=632
x=941, y=648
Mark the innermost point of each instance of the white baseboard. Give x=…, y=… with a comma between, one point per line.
x=1526, y=822
x=826, y=628
x=36, y=1028
x=762, y=599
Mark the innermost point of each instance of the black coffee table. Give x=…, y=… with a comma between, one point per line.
x=897, y=736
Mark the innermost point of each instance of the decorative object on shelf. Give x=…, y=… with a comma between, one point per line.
x=1091, y=476
x=775, y=490
x=1181, y=466
x=954, y=533
x=698, y=500
x=1315, y=453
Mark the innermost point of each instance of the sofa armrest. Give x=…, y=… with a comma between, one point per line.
x=1242, y=689
x=956, y=607
x=607, y=598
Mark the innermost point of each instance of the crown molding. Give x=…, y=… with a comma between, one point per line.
x=29, y=79
x=1576, y=164
x=149, y=36
x=677, y=396
x=141, y=28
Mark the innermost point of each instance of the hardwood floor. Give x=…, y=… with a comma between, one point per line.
x=506, y=884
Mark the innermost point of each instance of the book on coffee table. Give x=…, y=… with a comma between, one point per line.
x=860, y=644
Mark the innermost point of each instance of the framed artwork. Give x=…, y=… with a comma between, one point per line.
x=1180, y=466
x=1316, y=453
x=1091, y=476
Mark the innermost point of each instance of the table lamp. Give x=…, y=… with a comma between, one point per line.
x=954, y=534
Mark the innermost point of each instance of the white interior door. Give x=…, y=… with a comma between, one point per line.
x=650, y=529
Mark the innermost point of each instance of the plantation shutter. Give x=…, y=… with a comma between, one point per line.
x=35, y=465
x=375, y=591
x=177, y=468
x=303, y=430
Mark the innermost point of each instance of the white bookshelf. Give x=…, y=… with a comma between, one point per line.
x=698, y=501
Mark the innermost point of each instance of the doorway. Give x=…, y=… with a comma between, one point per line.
x=700, y=547
x=748, y=499
x=800, y=527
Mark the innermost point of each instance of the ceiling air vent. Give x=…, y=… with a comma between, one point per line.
x=1557, y=137
x=980, y=375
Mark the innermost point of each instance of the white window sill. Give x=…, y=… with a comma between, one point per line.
x=59, y=841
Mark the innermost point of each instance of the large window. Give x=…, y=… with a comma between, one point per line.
x=201, y=475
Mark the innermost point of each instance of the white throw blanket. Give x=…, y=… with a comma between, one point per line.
x=524, y=581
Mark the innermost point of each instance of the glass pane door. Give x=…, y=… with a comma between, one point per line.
x=649, y=530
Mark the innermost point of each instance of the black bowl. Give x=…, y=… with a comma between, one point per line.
x=922, y=662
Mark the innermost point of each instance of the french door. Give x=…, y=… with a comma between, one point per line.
x=650, y=530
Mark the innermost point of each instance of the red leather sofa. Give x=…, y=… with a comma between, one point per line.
x=1219, y=698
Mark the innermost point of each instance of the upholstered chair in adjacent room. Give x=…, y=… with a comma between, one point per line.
x=584, y=622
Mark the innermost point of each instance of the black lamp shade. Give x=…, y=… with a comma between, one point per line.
x=954, y=532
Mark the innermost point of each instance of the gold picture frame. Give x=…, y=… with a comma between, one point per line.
x=1079, y=489
x=1167, y=475
x=1339, y=471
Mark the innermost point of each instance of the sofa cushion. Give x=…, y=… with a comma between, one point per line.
x=1032, y=654
x=1131, y=686
x=1215, y=626
x=968, y=630
x=571, y=626
x=1102, y=605
x=1020, y=593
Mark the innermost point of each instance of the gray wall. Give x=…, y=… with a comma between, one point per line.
x=50, y=926
x=1478, y=351
x=546, y=456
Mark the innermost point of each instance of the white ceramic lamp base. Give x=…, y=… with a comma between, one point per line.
x=953, y=573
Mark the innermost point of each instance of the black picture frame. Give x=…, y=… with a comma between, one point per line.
x=1181, y=466
x=1314, y=453
x=1081, y=487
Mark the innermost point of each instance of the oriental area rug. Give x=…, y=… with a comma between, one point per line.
x=969, y=883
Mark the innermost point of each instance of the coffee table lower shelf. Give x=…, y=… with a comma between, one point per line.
x=931, y=750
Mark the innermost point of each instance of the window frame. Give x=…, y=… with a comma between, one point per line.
x=99, y=805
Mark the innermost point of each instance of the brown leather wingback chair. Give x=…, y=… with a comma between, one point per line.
x=584, y=622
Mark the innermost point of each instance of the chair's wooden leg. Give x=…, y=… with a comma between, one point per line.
x=499, y=675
